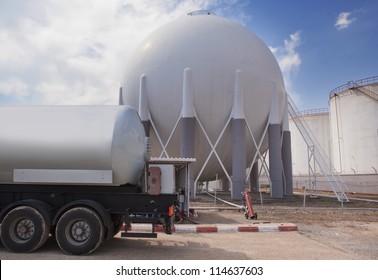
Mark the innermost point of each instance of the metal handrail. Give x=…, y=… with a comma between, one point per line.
x=313, y=111
x=352, y=84
x=328, y=170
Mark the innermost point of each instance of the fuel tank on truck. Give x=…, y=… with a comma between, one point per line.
x=103, y=145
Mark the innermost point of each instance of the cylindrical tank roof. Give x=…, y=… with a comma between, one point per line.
x=353, y=84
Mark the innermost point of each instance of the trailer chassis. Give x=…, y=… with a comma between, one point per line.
x=80, y=217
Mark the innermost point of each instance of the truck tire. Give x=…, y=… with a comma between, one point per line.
x=24, y=230
x=79, y=231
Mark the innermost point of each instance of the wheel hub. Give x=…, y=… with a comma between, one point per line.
x=25, y=229
x=80, y=231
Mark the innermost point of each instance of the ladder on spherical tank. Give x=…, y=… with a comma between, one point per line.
x=332, y=178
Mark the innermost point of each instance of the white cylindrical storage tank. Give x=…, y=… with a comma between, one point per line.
x=55, y=143
x=354, y=124
x=214, y=49
x=318, y=122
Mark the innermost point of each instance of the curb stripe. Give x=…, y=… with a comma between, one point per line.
x=248, y=229
x=227, y=228
x=206, y=229
x=185, y=229
x=288, y=228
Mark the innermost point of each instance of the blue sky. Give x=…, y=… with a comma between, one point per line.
x=74, y=51
x=337, y=42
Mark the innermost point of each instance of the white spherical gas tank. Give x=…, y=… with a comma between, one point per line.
x=214, y=48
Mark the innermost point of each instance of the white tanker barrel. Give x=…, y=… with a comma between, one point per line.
x=103, y=145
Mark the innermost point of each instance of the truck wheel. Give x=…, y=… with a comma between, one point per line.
x=24, y=230
x=79, y=231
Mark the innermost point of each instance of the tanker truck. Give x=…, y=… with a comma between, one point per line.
x=78, y=173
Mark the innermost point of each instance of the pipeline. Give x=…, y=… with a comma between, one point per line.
x=332, y=196
x=224, y=201
x=364, y=199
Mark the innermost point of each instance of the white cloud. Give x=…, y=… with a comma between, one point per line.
x=13, y=86
x=74, y=52
x=289, y=60
x=343, y=20
x=232, y=9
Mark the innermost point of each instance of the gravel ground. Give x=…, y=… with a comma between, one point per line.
x=351, y=227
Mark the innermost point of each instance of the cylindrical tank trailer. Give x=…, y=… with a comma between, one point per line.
x=74, y=171
x=103, y=145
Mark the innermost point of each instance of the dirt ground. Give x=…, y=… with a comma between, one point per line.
x=351, y=227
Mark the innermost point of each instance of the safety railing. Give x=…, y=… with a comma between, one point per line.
x=353, y=84
x=327, y=169
x=313, y=111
